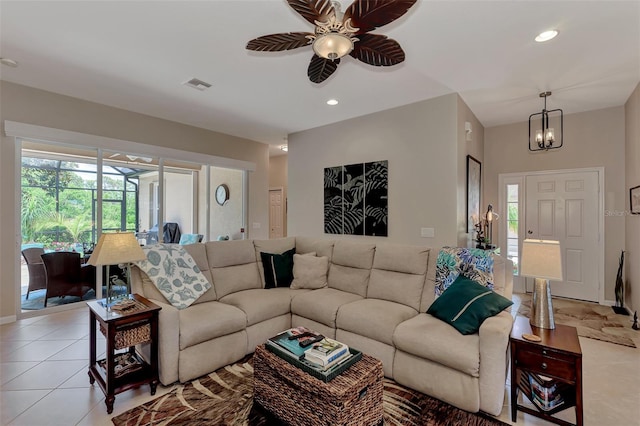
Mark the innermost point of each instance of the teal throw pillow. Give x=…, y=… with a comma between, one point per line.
x=466, y=304
x=278, y=268
x=189, y=239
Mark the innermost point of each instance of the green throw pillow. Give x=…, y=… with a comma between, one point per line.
x=278, y=268
x=466, y=304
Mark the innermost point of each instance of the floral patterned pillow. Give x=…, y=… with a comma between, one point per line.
x=174, y=272
x=475, y=264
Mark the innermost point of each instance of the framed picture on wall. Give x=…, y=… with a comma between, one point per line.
x=634, y=199
x=474, y=175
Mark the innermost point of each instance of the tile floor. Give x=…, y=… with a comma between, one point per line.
x=43, y=378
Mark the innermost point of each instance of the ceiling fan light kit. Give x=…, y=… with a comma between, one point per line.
x=338, y=34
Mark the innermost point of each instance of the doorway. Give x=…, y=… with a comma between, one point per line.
x=276, y=213
x=566, y=206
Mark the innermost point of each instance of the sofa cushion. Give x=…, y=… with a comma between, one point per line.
x=355, y=255
x=466, y=304
x=309, y=271
x=199, y=254
x=233, y=266
x=351, y=266
x=206, y=321
x=175, y=273
x=429, y=293
x=260, y=304
x=396, y=287
x=373, y=318
x=276, y=246
x=402, y=258
x=230, y=253
x=322, y=247
x=427, y=337
x=476, y=264
x=398, y=274
x=277, y=268
x=235, y=278
x=321, y=305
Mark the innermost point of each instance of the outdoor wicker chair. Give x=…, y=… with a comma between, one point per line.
x=37, y=275
x=66, y=276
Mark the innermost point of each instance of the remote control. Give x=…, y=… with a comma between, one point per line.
x=298, y=336
x=309, y=341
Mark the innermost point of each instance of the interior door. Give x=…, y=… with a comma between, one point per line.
x=276, y=218
x=564, y=207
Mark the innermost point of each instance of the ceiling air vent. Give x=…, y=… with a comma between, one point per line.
x=197, y=84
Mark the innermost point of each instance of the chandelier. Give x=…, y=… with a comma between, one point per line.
x=548, y=133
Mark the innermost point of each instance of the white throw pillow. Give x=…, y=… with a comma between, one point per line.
x=309, y=271
x=175, y=273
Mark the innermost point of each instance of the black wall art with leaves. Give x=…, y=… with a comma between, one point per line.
x=356, y=200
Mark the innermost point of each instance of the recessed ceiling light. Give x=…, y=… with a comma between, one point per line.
x=9, y=62
x=546, y=35
x=332, y=102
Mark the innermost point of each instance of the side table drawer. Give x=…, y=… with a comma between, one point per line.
x=547, y=364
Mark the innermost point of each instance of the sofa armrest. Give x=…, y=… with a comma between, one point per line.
x=494, y=344
x=168, y=343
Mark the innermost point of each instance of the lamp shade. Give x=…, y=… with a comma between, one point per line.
x=115, y=248
x=541, y=259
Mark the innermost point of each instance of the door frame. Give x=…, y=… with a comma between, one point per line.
x=503, y=177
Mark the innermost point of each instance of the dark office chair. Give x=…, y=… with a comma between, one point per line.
x=37, y=275
x=66, y=276
x=171, y=233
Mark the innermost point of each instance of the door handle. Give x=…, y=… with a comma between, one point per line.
x=529, y=232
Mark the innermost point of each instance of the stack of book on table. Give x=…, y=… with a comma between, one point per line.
x=545, y=392
x=319, y=356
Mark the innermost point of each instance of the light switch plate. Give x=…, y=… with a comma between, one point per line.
x=427, y=232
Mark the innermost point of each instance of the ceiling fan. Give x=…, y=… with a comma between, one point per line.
x=339, y=34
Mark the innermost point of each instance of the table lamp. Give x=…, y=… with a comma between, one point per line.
x=542, y=260
x=112, y=249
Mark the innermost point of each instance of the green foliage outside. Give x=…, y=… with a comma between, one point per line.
x=71, y=222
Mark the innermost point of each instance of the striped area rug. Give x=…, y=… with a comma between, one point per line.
x=225, y=397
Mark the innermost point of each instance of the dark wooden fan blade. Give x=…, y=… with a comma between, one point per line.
x=313, y=10
x=377, y=50
x=278, y=42
x=367, y=15
x=320, y=68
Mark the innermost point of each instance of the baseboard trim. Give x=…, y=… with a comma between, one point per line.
x=7, y=320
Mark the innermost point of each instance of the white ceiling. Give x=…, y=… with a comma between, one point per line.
x=135, y=55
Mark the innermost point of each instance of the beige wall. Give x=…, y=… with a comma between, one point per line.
x=278, y=171
x=227, y=219
x=475, y=148
x=419, y=141
x=632, y=167
x=591, y=139
x=32, y=106
x=178, y=200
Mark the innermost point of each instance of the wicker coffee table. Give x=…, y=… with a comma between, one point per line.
x=296, y=397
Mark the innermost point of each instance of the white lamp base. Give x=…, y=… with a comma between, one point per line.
x=541, y=307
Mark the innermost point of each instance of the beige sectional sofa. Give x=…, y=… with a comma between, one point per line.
x=375, y=300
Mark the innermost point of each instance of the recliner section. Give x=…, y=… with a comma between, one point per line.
x=375, y=301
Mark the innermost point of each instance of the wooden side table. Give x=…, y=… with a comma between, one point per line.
x=121, y=371
x=556, y=361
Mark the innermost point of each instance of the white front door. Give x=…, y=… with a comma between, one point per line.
x=564, y=207
x=276, y=218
